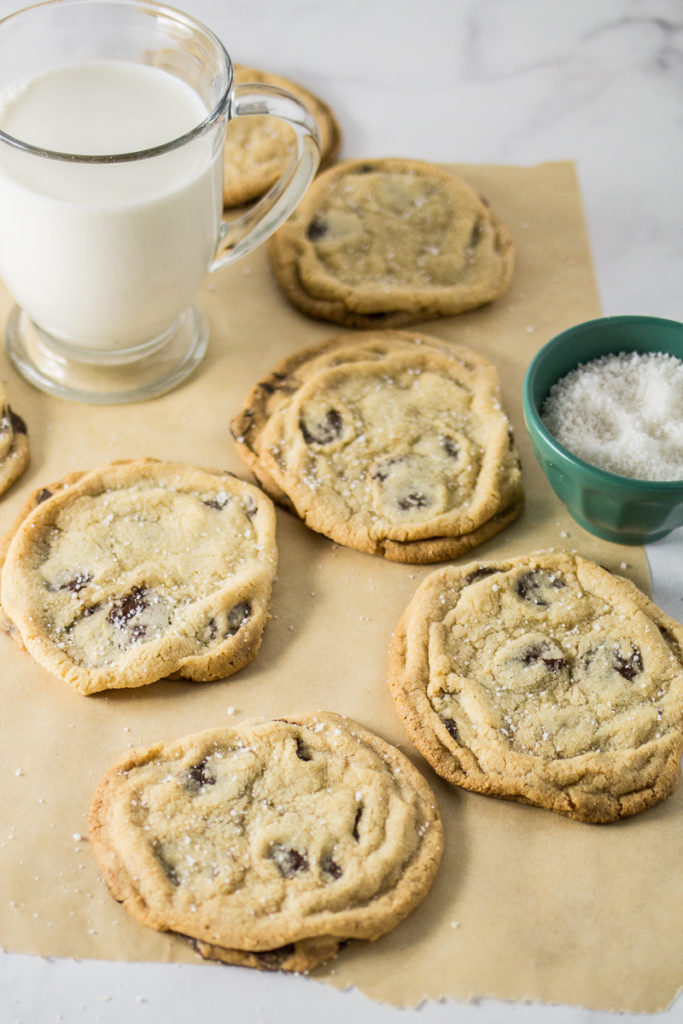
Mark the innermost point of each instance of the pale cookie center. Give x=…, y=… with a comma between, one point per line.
x=122, y=569
x=550, y=669
x=274, y=820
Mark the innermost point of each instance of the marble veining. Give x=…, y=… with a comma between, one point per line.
x=509, y=81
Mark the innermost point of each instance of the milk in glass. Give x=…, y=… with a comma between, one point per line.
x=107, y=255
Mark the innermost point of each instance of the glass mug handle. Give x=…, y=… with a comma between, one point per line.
x=239, y=236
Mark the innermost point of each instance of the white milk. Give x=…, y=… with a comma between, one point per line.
x=106, y=256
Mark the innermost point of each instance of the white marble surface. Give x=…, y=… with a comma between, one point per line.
x=480, y=81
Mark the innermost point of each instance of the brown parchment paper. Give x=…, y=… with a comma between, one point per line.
x=526, y=904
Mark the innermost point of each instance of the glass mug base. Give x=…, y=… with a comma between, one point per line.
x=107, y=378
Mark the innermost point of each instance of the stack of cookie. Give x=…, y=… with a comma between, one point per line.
x=544, y=679
x=388, y=442
x=390, y=242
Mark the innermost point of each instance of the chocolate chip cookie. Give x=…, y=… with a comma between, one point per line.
x=138, y=571
x=390, y=442
x=14, y=448
x=389, y=242
x=269, y=844
x=258, y=149
x=544, y=679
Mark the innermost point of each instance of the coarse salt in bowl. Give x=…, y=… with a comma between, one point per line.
x=607, y=449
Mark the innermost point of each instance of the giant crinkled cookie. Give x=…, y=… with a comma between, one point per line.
x=390, y=442
x=544, y=679
x=138, y=571
x=258, y=148
x=389, y=242
x=269, y=844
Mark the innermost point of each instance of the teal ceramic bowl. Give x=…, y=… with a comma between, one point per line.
x=613, y=507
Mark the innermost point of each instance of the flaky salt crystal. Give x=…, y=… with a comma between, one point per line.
x=622, y=413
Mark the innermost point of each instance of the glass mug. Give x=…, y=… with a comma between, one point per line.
x=113, y=116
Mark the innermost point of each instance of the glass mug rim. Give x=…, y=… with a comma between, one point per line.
x=142, y=6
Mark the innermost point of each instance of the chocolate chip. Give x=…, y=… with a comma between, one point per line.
x=273, y=959
x=290, y=861
x=219, y=502
x=84, y=613
x=533, y=586
x=630, y=666
x=627, y=665
x=317, y=228
x=403, y=476
x=364, y=169
x=451, y=728
x=383, y=469
x=18, y=425
x=43, y=495
x=450, y=447
x=123, y=610
x=169, y=869
x=76, y=584
x=242, y=426
x=330, y=867
x=237, y=616
x=201, y=775
x=278, y=382
x=355, y=832
x=479, y=574
x=539, y=652
x=414, y=499
x=328, y=430
x=302, y=751
x=250, y=507
x=671, y=641
x=476, y=233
